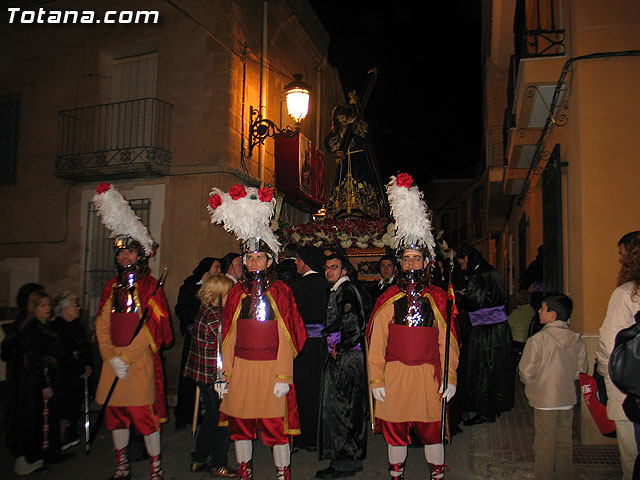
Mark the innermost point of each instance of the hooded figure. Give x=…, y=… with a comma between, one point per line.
x=488, y=370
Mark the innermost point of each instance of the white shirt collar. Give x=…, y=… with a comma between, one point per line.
x=339, y=282
x=308, y=272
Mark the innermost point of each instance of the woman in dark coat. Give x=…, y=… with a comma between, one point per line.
x=75, y=365
x=32, y=352
x=187, y=308
x=487, y=379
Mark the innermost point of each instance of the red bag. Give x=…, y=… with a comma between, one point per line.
x=598, y=411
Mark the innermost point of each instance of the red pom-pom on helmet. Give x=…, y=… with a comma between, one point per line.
x=404, y=180
x=237, y=191
x=215, y=201
x=265, y=194
x=103, y=187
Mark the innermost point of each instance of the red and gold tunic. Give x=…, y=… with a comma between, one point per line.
x=144, y=384
x=411, y=369
x=255, y=362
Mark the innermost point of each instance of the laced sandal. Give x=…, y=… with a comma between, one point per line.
x=155, y=469
x=284, y=473
x=123, y=472
x=438, y=471
x=397, y=468
x=244, y=471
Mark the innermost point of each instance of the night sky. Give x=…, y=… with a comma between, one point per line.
x=426, y=106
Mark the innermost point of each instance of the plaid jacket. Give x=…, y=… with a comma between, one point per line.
x=201, y=362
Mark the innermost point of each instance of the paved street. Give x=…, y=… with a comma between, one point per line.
x=178, y=444
x=500, y=450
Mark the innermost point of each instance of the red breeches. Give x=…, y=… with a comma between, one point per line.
x=397, y=433
x=245, y=429
x=143, y=417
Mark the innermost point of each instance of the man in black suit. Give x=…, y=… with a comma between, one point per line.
x=310, y=291
x=387, y=267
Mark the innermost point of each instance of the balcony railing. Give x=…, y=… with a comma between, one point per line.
x=536, y=33
x=116, y=140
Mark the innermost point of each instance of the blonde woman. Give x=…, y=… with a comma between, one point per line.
x=212, y=441
x=33, y=350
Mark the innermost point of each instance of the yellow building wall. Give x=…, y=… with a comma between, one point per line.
x=600, y=144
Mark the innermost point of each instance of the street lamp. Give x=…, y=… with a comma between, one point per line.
x=297, y=96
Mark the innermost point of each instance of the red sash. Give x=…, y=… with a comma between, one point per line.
x=413, y=345
x=123, y=326
x=257, y=340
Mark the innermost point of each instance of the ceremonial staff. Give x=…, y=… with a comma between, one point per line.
x=445, y=378
x=98, y=423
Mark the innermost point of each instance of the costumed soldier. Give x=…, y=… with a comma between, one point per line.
x=262, y=333
x=139, y=396
x=407, y=335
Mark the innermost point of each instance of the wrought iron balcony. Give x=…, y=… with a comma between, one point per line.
x=115, y=140
x=536, y=33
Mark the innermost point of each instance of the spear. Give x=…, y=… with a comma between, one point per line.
x=445, y=379
x=98, y=423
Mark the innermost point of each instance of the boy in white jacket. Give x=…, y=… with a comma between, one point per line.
x=551, y=362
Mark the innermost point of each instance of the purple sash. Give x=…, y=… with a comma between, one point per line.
x=488, y=316
x=314, y=330
x=334, y=338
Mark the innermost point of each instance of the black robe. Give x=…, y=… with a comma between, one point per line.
x=71, y=366
x=32, y=352
x=342, y=432
x=487, y=378
x=311, y=293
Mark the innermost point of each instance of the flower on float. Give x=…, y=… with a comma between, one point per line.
x=345, y=243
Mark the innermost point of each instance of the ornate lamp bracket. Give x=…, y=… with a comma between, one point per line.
x=262, y=128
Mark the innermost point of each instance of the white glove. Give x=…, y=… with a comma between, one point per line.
x=221, y=388
x=449, y=392
x=119, y=367
x=280, y=389
x=379, y=394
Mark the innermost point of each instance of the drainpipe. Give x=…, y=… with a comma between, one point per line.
x=554, y=102
x=263, y=89
x=318, y=98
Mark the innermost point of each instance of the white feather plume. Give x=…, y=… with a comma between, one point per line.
x=118, y=217
x=411, y=215
x=246, y=217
